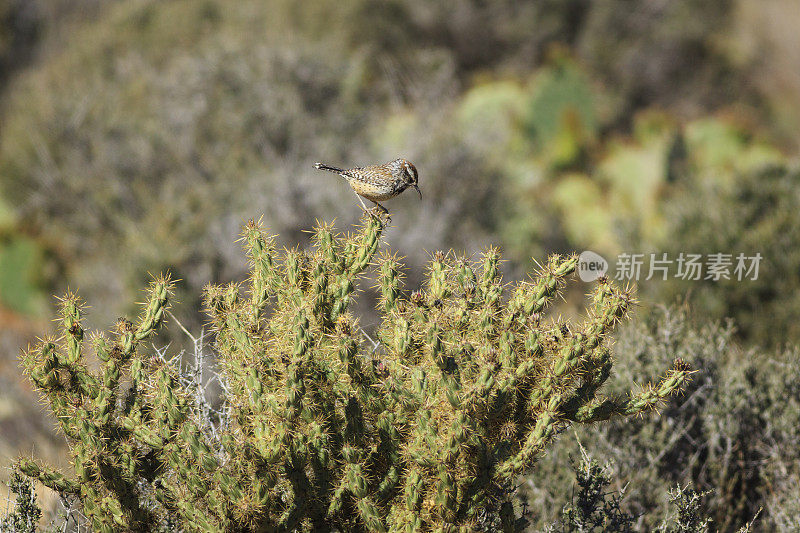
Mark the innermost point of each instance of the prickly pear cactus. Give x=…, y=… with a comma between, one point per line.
x=421, y=429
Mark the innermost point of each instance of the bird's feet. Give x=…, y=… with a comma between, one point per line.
x=379, y=212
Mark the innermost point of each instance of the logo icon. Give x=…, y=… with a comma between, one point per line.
x=591, y=266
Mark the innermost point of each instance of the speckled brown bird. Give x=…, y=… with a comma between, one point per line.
x=377, y=183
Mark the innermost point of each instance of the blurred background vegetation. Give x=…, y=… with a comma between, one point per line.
x=138, y=136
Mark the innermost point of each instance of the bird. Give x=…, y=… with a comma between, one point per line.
x=377, y=183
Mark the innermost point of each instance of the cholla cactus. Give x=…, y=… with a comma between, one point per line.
x=422, y=429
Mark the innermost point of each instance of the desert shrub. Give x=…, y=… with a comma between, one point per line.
x=755, y=213
x=594, y=506
x=647, y=51
x=24, y=517
x=20, y=26
x=427, y=426
x=732, y=435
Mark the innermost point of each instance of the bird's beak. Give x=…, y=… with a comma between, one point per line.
x=419, y=191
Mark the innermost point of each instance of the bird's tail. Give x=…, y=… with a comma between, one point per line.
x=323, y=166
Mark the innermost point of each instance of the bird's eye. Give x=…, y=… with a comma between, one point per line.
x=410, y=171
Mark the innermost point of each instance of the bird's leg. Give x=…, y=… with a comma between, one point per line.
x=360, y=200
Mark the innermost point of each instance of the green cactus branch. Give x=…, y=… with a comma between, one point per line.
x=467, y=384
x=49, y=478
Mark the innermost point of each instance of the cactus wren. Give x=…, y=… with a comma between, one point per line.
x=377, y=183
